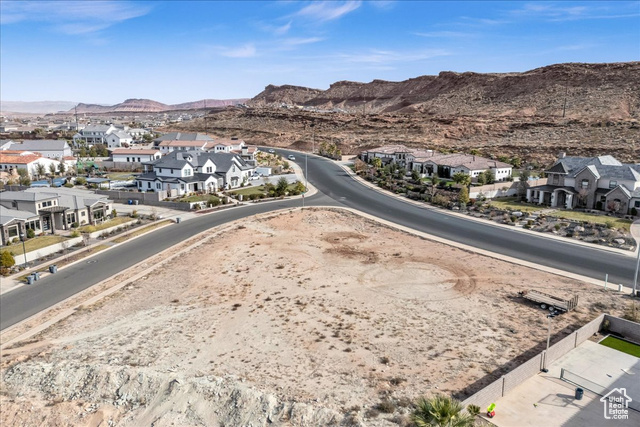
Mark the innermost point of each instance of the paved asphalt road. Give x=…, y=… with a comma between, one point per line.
x=335, y=188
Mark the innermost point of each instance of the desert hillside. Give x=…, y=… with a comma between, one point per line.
x=150, y=106
x=582, y=109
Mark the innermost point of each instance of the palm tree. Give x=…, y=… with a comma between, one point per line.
x=440, y=411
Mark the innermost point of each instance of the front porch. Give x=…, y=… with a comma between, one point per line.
x=555, y=197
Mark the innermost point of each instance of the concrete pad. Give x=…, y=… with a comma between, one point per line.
x=547, y=400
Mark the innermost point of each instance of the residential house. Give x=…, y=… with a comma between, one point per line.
x=447, y=165
x=93, y=134
x=601, y=183
x=387, y=154
x=137, y=133
x=183, y=172
x=197, y=145
x=11, y=161
x=126, y=155
x=118, y=138
x=181, y=136
x=429, y=162
x=14, y=223
x=56, y=208
x=50, y=148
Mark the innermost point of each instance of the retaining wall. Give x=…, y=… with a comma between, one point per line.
x=531, y=367
x=625, y=328
x=48, y=250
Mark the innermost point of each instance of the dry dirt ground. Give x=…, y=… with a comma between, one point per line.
x=298, y=318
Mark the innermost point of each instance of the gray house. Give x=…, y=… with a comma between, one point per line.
x=601, y=183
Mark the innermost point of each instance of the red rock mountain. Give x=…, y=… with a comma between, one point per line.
x=582, y=90
x=150, y=106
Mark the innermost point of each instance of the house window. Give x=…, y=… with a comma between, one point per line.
x=138, y=159
x=158, y=186
x=585, y=183
x=160, y=170
x=637, y=204
x=209, y=169
x=613, y=184
x=556, y=179
x=12, y=231
x=182, y=186
x=83, y=213
x=127, y=159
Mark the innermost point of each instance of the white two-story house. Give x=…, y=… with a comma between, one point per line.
x=183, y=172
x=93, y=134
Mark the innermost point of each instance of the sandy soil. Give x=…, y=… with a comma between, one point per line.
x=302, y=318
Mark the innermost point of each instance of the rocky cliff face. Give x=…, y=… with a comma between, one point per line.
x=287, y=94
x=575, y=90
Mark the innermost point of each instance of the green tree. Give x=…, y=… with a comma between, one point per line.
x=62, y=168
x=81, y=180
x=441, y=411
x=489, y=176
x=415, y=175
x=300, y=188
x=82, y=152
x=376, y=162
x=24, y=177
x=281, y=186
x=462, y=178
x=93, y=152
x=516, y=162
x=522, y=184
x=463, y=196
x=52, y=169
x=6, y=259
x=40, y=170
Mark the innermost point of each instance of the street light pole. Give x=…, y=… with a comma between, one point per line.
x=24, y=250
x=635, y=232
x=549, y=316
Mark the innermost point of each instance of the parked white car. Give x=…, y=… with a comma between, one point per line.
x=291, y=157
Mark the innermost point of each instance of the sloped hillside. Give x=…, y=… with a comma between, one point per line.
x=580, y=90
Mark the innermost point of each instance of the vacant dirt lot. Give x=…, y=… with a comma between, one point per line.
x=302, y=318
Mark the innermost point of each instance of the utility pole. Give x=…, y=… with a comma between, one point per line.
x=564, y=104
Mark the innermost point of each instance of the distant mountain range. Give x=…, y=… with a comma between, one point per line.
x=128, y=106
x=41, y=107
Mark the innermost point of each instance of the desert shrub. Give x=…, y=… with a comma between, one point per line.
x=213, y=201
x=74, y=225
x=473, y=409
x=89, y=229
x=68, y=185
x=557, y=227
x=75, y=233
x=114, y=213
x=386, y=406
x=6, y=259
x=609, y=224
x=134, y=214
x=31, y=233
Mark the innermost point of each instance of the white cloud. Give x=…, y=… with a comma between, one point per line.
x=375, y=56
x=554, y=13
x=72, y=17
x=443, y=34
x=247, y=50
x=301, y=41
x=327, y=10
x=282, y=29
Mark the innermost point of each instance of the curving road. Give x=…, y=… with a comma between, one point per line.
x=335, y=188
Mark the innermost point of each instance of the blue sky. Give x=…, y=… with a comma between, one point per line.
x=179, y=51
